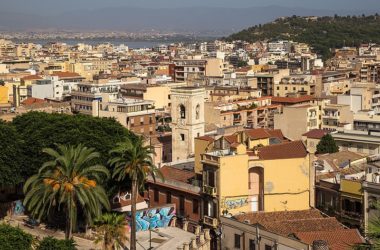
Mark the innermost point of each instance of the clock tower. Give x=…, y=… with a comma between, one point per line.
x=187, y=110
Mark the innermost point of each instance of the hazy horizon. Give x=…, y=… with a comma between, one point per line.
x=222, y=16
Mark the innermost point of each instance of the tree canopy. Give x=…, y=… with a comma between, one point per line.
x=327, y=145
x=41, y=130
x=10, y=155
x=322, y=34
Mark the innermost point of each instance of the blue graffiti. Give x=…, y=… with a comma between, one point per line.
x=154, y=218
x=18, y=208
x=236, y=203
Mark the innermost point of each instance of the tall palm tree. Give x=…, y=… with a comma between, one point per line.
x=134, y=160
x=111, y=227
x=71, y=179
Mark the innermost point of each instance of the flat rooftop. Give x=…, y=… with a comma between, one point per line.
x=163, y=238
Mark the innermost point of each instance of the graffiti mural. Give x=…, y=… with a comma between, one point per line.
x=18, y=208
x=235, y=202
x=152, y=218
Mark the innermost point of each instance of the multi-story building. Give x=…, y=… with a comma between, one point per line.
x=299, y=84
x=186, y=69
x=297, y=120
x=366, y=121
x=266, y=81
x=255, y=156
x=367, y=142
x=335, y=116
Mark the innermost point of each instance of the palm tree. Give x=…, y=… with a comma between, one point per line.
x=71, y=179
x=111, y=227
x=134, y=160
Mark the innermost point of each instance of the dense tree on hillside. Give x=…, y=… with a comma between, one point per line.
x=41, y=130
x=322, y=34
x=327, y=145
x=12, y=238
x=10, y=155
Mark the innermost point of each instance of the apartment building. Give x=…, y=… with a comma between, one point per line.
x=185, y=69
x=365, y=142
x=266, y=81
x=299, y=85
x=298, y=119
x=335, y=116
x=369, y=71
x=252, y=155
x=360, y=97
x=366, y=121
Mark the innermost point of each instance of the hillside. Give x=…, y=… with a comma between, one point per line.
x=322, y=33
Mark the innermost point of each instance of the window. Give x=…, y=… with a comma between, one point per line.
x=182, y=205
x=211, y=178
x=197, y=110
x=182, y=110
x=168, y=197
x=237, y=241
x=195, y=206
x=267, y=247
x=252, y=245
x=182, y=137
x=156, y=195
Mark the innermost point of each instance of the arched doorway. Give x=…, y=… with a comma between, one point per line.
x=256, y=188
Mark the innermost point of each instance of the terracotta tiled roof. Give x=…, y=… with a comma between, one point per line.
x=288, y=150
x=31, y=101
x=316, y=133
x=206, y=138
x=258, y=133
x=291, y=100
x=337, y=240
x=269, y=217
x=231, y=138
x=304, y=225
x=61, y=74
x=276, y=133
x=32, y=77
x=171, y=173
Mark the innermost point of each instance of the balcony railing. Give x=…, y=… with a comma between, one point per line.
x=209, y=221
x=209, y=190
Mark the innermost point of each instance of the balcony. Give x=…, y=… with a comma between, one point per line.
x=209, y=190
x=209, y=221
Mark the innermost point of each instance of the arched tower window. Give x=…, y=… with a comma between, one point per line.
x=182, y=111
x=197, y=111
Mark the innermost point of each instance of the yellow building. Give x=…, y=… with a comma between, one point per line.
x=253, y=170
x=3, y=94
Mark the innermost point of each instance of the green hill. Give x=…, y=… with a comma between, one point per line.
x=321, y=33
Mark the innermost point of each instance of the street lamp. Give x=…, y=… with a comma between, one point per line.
x=147, y=200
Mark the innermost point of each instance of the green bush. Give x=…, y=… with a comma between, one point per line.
x=50, y=243
x=13, y=238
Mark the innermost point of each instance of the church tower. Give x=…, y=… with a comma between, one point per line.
x=187, y=110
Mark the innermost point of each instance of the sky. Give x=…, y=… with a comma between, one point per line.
x=61, y=6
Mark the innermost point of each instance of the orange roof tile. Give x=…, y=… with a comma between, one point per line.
x=337, y=240
x=288, y=150
x=32, y=77
x=61, y=74
x=32, y=100
x=206, y=138
x=316, y=133
x=258, y=133
x=171, y=173
x=291, y=100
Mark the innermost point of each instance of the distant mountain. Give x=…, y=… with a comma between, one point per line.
x=197, y=19
x=322, y=34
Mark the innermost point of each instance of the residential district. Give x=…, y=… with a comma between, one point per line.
x=241, y=132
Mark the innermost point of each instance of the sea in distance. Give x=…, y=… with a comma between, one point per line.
x=132, y=44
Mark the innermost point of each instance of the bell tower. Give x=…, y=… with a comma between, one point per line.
x=187, y=110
